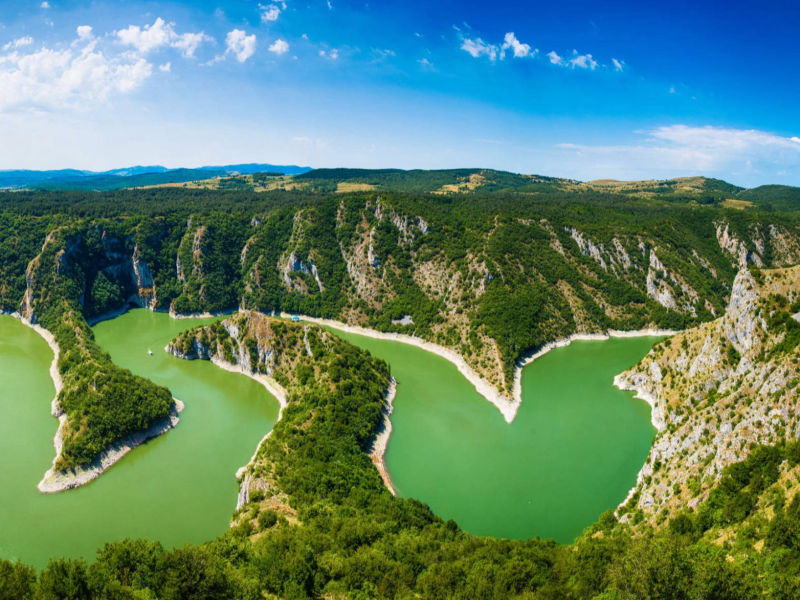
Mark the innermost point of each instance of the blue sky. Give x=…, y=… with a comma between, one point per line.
x=586, y=90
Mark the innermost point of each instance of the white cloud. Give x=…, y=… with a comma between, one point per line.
x=188, y=43
x=18, y=43
x=619, y=65
x=67, y=78
x=279, y=47
x=332, y=54
x=165, y=68
x=520, y=50
x=147, y=38
x=582, y=61
x=45, y=4
x=160, y=34
x=554, y=58
x=668, y=151
x=269, y=12
x=84, y=32
x=241, y=45
x=477, y=48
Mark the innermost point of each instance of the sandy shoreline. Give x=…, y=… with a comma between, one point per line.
x=199, y=315
x=379, y=444
x=55, y=481
x=276, y=390
x=508, y=406
x=656, y=418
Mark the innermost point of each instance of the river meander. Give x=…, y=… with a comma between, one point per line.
x=572, y=452
x=177, y=488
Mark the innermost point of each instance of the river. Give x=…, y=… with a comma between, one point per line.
x=177, y=488
x=572, y=452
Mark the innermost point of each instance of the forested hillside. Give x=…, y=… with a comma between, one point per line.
x=491, y=275
x=318, y=523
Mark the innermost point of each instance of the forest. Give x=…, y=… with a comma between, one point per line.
x=338, y=533
x=500, y=268
x=492, y=275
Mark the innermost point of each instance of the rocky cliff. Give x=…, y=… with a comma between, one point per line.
x=718, y=390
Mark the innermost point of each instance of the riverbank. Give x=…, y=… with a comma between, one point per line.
x=55, y=481
x=198, y=315
x=508, y=406
x=381, y=441
x=656, y=418
x=58, y=481
x=276, y=390
x=273, y=387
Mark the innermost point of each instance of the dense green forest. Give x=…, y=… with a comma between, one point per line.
x=328, y=528
x=492, y=274
x=492, y=266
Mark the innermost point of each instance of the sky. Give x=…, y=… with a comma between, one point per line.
x=586, y=90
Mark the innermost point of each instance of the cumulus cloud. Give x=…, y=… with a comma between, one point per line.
x=477, y=48
x=241, y=45
x=511, y=42
x=554, y=58
x=159, y=35
x=332, y=54
x=84, y=32
x=746, y=155
x=270, y=12
x=279, y=47
x=582, y=61
x=48, y=78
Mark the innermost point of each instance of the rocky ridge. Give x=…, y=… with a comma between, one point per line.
x=717, y=390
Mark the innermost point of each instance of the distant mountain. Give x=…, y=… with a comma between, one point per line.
x=22, y=178
x=128, y=177
x=249, y=168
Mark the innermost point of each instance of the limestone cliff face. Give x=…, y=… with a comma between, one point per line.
x=256, y=343
x=76, y=259
x=719, y=388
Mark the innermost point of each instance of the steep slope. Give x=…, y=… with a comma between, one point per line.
x=297, y=362
x=718, y=390
x=103, y=410
x=491, y=279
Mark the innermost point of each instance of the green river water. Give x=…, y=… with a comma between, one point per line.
x=572, y=452
x=177, y=488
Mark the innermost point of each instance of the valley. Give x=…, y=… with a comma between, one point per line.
x=487, y=271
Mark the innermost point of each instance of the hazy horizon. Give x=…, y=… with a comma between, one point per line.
x=578, y=90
